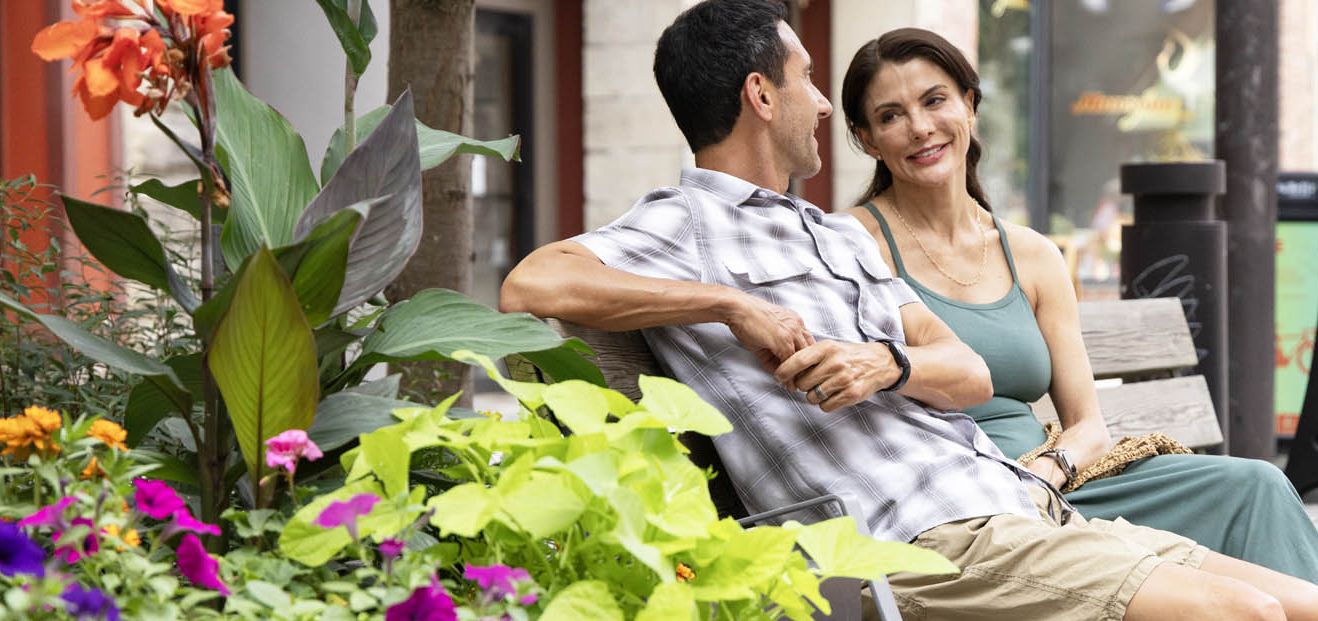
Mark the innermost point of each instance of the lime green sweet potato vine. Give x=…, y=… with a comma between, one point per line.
x=612, y=518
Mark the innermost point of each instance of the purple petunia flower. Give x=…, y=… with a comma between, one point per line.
x=184, y=522
x=283, y=450
x=84, y=604
x=199, y=567
x=498, y=581
x=18, y=554
x=156, y=499
x=345, y=514
x=50, y=515
x=427, y=603
x=73, y=551
x=391, y=547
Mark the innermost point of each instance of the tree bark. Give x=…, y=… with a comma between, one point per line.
x=431, y=51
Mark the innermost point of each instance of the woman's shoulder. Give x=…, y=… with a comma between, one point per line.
x=866, y=219
x=1030, y=246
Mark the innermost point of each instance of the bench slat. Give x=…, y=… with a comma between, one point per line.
x=1136, y=337
x=1179, y=407
x=621, y=356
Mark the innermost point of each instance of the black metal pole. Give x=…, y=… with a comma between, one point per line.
x=1246, y=139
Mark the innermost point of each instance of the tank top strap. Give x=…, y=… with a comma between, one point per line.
x=887, y=236
x=1006, y=248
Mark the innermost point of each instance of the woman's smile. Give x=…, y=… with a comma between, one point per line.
x=928, y=155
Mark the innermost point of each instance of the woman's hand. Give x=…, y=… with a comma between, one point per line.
x=1048, y=470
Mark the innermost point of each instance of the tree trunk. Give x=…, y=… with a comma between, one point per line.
x=431, y=51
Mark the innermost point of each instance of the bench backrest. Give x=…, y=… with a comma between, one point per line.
x=1144, y=343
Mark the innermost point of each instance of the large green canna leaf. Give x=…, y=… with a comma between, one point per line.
x=109, y=354
x=270, y=175
x=263, y=358
x=354, y=37
x=182, y=196
x=148, y=405
x=318, y=262
x=436, y=146
x=343, y=416
x=435, y=323
x=383, y=169
x=123, y=242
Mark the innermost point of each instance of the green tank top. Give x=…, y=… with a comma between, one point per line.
x=1004, y=333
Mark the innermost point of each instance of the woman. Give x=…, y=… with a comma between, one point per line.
x=910, y=99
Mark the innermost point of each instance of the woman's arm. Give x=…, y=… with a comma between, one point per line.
x=1047, y=283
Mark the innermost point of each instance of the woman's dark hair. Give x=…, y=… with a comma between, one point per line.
x=899, y=46
x=703, y=59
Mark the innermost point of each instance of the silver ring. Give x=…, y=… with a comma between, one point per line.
x=819, y=394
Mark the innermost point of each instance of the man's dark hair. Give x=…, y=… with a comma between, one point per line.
x=703, y=59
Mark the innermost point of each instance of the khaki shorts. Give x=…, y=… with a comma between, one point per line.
x=1060, y=567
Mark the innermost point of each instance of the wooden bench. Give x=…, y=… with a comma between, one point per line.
x=1147, y=345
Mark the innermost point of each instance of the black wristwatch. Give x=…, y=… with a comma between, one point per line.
x=1063, y=459
x=898, y=356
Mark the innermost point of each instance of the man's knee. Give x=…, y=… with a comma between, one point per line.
x=1245, y=602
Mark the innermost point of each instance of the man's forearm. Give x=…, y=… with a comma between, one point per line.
x=565, y=281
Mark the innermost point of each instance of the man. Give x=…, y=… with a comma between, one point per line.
x=729, y=275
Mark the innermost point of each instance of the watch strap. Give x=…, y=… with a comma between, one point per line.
x=903, y=363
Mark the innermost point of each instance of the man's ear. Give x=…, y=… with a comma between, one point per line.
x=759, y=96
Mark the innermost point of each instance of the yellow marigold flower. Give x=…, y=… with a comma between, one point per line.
x=684, y=573
x=110, y=433
x=48, y=420
x=129, y=537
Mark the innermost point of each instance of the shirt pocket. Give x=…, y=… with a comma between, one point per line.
x=878, y=304
x=748, y=273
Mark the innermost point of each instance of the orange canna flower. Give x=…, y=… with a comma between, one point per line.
x=110, y=433
x=191, y=7
x=64, y=39
x=212, y=31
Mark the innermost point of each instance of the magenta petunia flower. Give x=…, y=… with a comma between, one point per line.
x=498, y=581
x=427, y=603
x=283, y=450
x=184, y=522
x=199, y=567
x=345, y=514
x=51, y=516
x=391, y=547
x=73, y=551
x=156, y=498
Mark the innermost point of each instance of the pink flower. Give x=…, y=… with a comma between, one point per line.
x=184, y=522
x=391, y=547
x=427, y=603
x=345, y=514
x=285, y=449
x=71, y=552
x=51, y=516
x=500, y=581
x=199, y=567
x=156, y=499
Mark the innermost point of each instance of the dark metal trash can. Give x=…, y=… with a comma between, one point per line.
x=1177, y=248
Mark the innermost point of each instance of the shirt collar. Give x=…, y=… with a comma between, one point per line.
x=738, y=191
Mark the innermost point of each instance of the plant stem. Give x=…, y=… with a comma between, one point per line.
x=350, y=78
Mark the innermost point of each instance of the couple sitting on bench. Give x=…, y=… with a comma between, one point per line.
x=840, y=377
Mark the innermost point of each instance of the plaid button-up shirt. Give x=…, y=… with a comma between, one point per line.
x=907, y=467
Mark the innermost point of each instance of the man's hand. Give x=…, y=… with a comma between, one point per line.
x=772, y=332
x=846, y=373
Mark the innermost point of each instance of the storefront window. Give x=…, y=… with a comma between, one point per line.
x=1126, y=81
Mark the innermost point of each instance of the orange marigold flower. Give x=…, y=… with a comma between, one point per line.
x=49, y=420
x=684, y=573
x=93, y=469
x=110, y=433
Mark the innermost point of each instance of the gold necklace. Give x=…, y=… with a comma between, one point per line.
x=983, y=258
